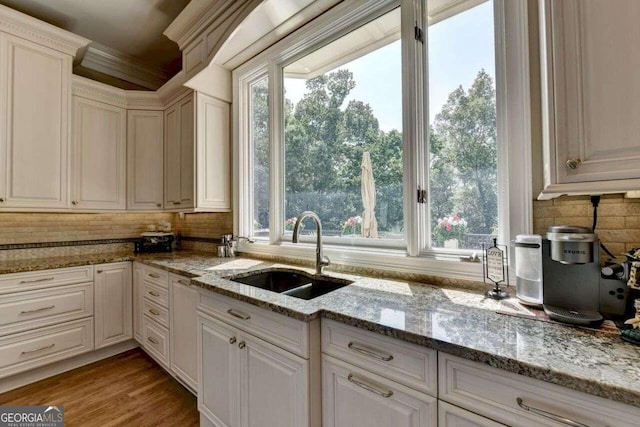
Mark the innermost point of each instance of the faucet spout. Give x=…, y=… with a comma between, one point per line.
x=321, y=260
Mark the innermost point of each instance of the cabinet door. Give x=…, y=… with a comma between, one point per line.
x=145, y=142
x=113, y=311
x=274, y=387
x=179, y=154
x=452, y=416
x=138, y=298
x=35, y=104
x=98, y=155
x=213, y=146
x=184, y=330
x=352, y=397
x=218, y=385
x=594, y=81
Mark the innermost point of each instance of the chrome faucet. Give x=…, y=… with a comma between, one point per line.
x=321, y=260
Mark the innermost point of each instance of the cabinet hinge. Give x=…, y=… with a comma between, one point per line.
x=422, y=195
x=418, y=34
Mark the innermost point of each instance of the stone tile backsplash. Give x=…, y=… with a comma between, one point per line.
x=618, y=218
x=17, y=227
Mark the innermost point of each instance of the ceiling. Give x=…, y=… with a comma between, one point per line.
x=129, y=49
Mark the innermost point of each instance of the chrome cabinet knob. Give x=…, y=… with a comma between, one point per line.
x=573, y=163
x=99, y=271
x=1, y=199
x=242, y=344
x=74, y=203
x=232, y=340
x=159, y=205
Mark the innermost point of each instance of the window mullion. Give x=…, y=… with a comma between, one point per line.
x=414, y=110
x=276, y=153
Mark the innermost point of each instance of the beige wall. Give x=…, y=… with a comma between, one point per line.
x=618, y=218
x=55, y=227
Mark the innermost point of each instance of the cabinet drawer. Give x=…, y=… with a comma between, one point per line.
x=156, y=294
x=156, y=313
x=156, y=341
x=285, y=332
x=28, y=350
x=357, y=398
x=156, y=276
x=452, y=416
x=408, y=364
x=28, y=310
x=495, y=393
x=18, y=282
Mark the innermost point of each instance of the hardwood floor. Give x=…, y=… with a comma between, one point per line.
x=129, y=389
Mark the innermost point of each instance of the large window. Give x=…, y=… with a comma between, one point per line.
x=462, y=128
x=343, y=135
x=353, y=115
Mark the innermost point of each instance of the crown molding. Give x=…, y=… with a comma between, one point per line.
x=91, y=89
x=118, y=64
x=173, y=89
x=19, y=24
x=144, y=100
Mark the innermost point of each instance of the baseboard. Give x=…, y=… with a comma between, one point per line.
x=56, y=368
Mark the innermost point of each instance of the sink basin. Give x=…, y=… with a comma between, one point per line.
x=294, y=283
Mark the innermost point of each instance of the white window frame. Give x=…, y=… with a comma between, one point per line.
x=513, y=123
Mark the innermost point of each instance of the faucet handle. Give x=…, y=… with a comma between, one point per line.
x=325, y=261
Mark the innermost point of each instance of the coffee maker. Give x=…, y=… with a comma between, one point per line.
x=571, y=275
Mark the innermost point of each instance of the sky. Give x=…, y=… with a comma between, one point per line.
x=459, y=48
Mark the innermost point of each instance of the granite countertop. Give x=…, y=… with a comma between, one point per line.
x=456, y=321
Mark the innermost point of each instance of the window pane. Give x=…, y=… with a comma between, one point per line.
x=462, y=132
x=343, y=134
x=260, y=145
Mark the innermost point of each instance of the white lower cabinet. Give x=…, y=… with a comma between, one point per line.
x=452, y=416
x=113, y=304
x=519, y=401
x=353, y=397
x=245, y=381
x=273, y=385
x=138, y=298
x=31, y=349
x=184, y=330
x=218, y=384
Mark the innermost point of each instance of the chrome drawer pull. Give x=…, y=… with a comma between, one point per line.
x=239, y=315
x=384, y=357
x=37, y=310
x=184, y=282
x=153, y=294
x=368, y=387
x=44, y=279
x=46, y=347
x=152, y=341
x=554, y=417
x=154, y=312
x=154, y=275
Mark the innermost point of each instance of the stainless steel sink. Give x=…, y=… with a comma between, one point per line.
x=294, y=283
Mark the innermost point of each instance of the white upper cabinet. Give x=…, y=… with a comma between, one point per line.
x=98, y=155
x=145, y=159
x=590, y=86
x=179, y=154
x=35, y=110
x=35, y=92
x=213, y=154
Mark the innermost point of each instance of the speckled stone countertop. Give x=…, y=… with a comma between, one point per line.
x=456, y=321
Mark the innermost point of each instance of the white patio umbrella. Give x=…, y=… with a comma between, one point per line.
x=368, y=188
